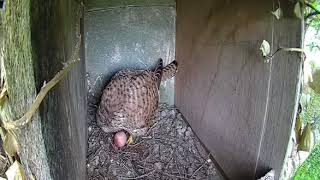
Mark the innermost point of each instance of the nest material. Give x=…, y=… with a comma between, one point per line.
x=170, y=150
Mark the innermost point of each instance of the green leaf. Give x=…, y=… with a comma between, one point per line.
x=305, y=99
x=10, y=144
x=298, y=11
x=298, y=128
x=277, y=13
x=315, y=84
x=306, y=139
x=16, y=172
x=265, y=48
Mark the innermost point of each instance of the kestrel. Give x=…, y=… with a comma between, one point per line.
x=129, y=101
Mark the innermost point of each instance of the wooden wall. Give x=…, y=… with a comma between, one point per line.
x=63, y=112
x=240, y=107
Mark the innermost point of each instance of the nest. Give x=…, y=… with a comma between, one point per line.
x=170, y=150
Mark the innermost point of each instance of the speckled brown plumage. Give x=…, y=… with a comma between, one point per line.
x=131, y=98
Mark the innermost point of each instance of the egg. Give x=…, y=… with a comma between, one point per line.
x=120, y=139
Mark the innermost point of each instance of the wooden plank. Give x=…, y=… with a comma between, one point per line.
x=222, y=84
x=92, y=5
x=284, y=87
x=63, y=112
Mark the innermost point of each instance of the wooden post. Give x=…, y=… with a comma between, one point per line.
x=39, y=38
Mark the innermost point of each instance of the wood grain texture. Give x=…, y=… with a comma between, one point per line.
x=63, y=112
x=286, y=68
x=222, y=83
x=17, y=69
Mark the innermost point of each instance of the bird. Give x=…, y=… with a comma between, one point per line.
x=129, y=101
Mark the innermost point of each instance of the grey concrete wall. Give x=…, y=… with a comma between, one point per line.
x=128, y=34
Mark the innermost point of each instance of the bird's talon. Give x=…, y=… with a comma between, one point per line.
x=130, y=140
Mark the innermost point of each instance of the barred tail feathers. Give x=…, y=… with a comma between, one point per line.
x=170, y=70
x=159, y=71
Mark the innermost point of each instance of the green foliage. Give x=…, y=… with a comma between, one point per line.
x=313, y=21
x=310, y=169
x=313, y=46
x=311, y=113
x=315, y=84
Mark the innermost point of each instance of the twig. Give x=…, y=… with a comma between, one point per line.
x=133, y=145
x=312, y=14
x=173, y=152
x=141, y=176
x=288, y=50
x=176, y=164
x=154, y=125
x=27, y=117
x=145, y=160
x=124, y=165
x=128, y=152
x=175, y=176
x=200, y=167
x=197, y=146
x=143, y=167
x=315, y=11
x=167, y=165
